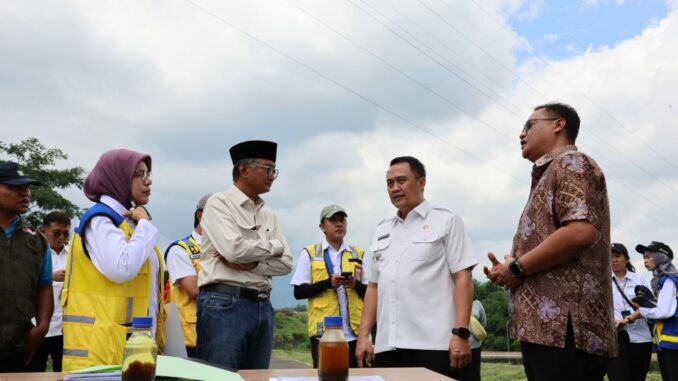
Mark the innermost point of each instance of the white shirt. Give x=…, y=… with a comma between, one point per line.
x=302, y=275
x=638, y=330
x=179, y=264
x=413, y=261
x=58, y=263
x=120, y=260
x=666, y=303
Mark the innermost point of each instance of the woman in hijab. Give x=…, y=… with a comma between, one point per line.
x=114, y=269
x=635, y=341
x=663, y=316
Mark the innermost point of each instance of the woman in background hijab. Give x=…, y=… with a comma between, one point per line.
x=663, y=317
x=113, y=271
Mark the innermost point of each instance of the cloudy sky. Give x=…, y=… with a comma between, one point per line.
x=343, y=87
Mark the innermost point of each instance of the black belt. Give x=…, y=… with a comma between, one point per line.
x=247, y=293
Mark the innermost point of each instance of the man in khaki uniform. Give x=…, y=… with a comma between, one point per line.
x=243, y=247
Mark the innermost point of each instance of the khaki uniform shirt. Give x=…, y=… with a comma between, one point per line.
x=566, y=186
x=241, y=231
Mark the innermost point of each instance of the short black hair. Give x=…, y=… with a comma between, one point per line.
x=56, y=216
x=236, y=167
x=196, y=220
x=567, y=112
x=415, y=165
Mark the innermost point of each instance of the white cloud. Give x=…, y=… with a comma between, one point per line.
x=168, y=79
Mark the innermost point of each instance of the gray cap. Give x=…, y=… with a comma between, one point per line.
x=203, y=201
x=331, y=210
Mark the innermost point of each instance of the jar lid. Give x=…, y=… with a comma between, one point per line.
x=332, y=321
x=142, y=322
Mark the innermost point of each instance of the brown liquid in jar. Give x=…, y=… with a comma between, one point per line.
x=139, y=371
x=333, y=361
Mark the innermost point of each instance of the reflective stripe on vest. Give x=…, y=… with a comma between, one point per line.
x=327, y=303
x=665, y=331
x=97, y=311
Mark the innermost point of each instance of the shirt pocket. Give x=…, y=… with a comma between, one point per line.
x=427, y=245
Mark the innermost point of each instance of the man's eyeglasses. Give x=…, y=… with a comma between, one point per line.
x=271, y=170
x=528, y=123
x=58, y=234
x=144, y=175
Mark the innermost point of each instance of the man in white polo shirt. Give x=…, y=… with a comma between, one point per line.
x=420, y=288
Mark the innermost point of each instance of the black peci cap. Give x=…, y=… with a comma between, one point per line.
x=254, y=149
x=656, y=247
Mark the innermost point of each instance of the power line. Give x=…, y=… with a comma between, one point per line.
x=397, y=69
x=344, y=87
x=455, y=29
x=571, y=83
x=337, y=83
x=407, y=41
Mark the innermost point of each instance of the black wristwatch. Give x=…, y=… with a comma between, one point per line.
x=516, y=269
x=462, y=332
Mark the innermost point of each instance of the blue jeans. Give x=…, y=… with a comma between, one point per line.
x=234, y=332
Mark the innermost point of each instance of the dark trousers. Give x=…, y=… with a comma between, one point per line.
x=352, y=361
x=50, y=347
x=633, y=361
x=190, y=351
x=14, y=363
x=668, y=364
x=472, y=371
x=544, y=363
x=437, y=361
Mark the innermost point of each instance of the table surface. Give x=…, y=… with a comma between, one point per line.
x=388, y=374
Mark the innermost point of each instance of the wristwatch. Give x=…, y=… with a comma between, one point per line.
x=462, y=332
x=516, y=269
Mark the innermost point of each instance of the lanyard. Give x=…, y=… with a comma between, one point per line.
x=328, y=261
x=622, y=291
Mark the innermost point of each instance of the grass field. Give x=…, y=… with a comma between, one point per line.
x=489, y=371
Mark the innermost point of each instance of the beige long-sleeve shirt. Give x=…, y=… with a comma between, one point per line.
x=241, y=231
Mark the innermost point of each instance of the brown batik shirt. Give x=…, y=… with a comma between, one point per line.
x=566, y=186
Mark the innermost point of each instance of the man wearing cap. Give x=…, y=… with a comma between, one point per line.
x=330, y=275
x=664, y=315
x=183, y=263
x=243, y=247
x=25, y=274
x=420, y=288
x=559, y=268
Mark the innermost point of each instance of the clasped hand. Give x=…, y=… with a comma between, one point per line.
x=500, y=274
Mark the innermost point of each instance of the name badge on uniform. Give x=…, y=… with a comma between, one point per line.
x=196, y=256
x=383, y=237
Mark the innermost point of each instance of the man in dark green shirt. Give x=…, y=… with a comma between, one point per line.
x=25, y=274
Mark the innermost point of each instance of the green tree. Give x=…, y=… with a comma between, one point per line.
x=495, y=302
x=37, y=161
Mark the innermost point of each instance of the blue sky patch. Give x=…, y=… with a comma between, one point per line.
x=560, y=29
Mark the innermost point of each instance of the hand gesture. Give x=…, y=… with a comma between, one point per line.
x=59, y=275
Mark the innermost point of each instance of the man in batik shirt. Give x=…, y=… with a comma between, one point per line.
x=559, y=268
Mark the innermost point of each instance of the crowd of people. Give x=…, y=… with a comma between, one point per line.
x=576, y=305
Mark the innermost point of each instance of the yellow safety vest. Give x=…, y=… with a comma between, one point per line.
x=187, y=309
x=98, y=312
x=327, y=303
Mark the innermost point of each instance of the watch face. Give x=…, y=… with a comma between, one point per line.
x=462, y=332
x=514, y=269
